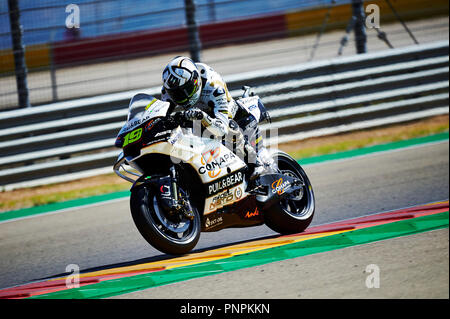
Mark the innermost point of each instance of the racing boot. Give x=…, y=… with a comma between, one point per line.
x=262, y=162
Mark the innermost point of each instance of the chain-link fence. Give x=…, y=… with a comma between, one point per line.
x=87, y=47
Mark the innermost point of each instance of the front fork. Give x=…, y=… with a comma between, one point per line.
x=173, y=173
x=170, y=197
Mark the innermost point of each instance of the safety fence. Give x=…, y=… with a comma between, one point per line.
x=74, y=139
x=52, y=64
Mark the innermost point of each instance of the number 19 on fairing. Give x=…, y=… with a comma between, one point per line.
x=132, y=137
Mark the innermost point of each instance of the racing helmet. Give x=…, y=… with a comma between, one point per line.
x=182, y=81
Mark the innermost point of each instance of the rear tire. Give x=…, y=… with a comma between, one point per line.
x=294, y=213
x=174, y=238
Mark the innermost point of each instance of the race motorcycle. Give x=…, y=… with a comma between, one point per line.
x=184, y=184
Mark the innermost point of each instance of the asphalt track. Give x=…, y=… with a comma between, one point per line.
x=104, y=236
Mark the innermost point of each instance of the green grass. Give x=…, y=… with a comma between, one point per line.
x=68, y=195
x=350, y=144
x=60, y=196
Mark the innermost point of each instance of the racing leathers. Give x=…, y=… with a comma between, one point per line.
x=224, y=118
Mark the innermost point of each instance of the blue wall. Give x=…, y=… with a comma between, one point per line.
x=44, y=20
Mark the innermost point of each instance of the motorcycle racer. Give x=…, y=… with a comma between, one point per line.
x=204, y=95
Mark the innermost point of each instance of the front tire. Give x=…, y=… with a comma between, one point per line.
x=159, y=230
x=294, y=213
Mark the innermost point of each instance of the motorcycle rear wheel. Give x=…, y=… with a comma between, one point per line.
x=160, y=230
x=294, y=213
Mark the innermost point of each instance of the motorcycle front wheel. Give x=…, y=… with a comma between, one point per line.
x=172, y=235
x=294, y=213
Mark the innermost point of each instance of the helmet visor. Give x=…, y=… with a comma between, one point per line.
x=182, y=94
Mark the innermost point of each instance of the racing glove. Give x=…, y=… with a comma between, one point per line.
x=214, y=125
x=194, y=114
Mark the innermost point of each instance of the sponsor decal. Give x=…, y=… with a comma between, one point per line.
x=163, y=133
x=137, y=122
x=225, y=183
x=150, y=104
x=225, y=198
x=132, y=137
x=213, y=222
x=211, y=165
x=213, y=154
x=214, y=174
x=279, y=186
x=165, y=190
x=253, y=106
x=158, y=106
x=163, y=139
x=150, y=124
x=238, y=193
x=174, y=138
x=250, y=215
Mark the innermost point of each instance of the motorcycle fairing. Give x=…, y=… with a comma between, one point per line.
x=214, y=163
x=274, y=187
x=210, y=159
x=244, y=213
x=225, y=191
x=142, y=108
x=254, y=106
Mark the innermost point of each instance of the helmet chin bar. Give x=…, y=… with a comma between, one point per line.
x=193, y=100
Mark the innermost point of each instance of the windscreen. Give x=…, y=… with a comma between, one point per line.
x=142, y=108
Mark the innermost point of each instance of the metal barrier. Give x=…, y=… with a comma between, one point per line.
x=69, y=140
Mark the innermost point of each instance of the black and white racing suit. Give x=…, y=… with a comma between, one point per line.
x=226, y=117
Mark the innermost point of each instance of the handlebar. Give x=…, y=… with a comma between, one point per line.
x=178, y=118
